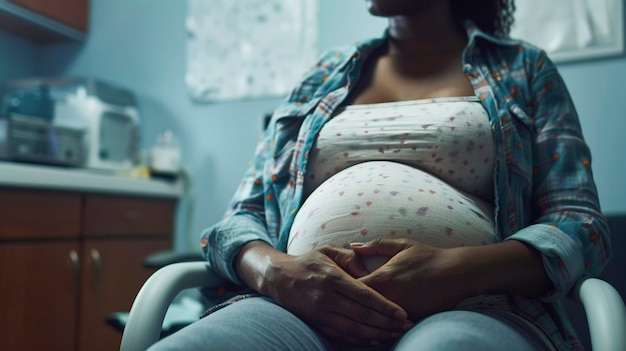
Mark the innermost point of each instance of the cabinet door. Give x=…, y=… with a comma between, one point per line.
x=38, y=292
x=73, y=13
x=112, y=276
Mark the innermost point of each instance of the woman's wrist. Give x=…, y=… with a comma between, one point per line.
x=511, y=267
x=254, y=261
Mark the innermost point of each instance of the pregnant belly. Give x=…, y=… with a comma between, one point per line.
x=382, y=199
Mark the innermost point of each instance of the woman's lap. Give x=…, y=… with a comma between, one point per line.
x=260, y=324
x=255, y=323
x=468, y=330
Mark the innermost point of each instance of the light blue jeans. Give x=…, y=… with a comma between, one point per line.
x=258, y=323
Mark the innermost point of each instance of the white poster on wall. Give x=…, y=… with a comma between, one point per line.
x=242, y=49
x=571, y=29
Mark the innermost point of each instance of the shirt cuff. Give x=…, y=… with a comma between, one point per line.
x=562, y=257
x=224, y=240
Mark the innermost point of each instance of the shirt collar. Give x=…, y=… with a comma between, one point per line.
x=473, y=33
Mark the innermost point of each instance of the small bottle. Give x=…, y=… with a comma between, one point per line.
x=165, y=155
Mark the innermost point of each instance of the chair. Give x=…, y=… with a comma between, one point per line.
x=603, y=306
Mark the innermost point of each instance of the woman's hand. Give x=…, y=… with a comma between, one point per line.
x=320, y=287
x=421, y=278
x=425, y=279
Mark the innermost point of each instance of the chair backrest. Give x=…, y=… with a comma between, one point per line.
x=613, y=274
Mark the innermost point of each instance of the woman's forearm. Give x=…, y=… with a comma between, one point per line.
x=510, y=267
x=253, y=261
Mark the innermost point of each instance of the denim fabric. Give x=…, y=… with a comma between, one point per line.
x=258, y=323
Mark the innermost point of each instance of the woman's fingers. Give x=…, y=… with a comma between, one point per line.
x=319, y=288
x=346, y=259
x=380, y=247
x=363, y=304
x=341, y=318
x=363, y=300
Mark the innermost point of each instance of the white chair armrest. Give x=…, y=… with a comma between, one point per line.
x=145, y=320
x=606, y=314
x=604, y=307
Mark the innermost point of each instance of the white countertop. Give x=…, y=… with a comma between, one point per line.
x=78, y=179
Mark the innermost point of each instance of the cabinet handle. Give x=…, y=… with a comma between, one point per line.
x=97, y=264
x=75, y=260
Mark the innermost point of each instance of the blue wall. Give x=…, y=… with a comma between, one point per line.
x=18, y=57
x=141, y=45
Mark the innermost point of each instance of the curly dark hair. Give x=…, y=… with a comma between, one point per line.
x=494, y=17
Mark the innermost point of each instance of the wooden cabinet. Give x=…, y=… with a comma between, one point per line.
x=46, y=20
x=73, y=13
x=70, y=259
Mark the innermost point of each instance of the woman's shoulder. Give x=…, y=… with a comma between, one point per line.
x=317, y=76
x=505, y=50
x=488, y=42
x=517, y=54
x=331, y=60
x=330, y=70
x=511, y=46
x=336, y=57
x=528, y=50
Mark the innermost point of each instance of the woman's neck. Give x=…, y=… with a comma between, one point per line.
x=426, y=37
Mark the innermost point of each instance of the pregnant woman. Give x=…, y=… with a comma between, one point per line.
x=427, y=190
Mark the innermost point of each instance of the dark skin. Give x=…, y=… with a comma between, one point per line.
x=328, y=287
